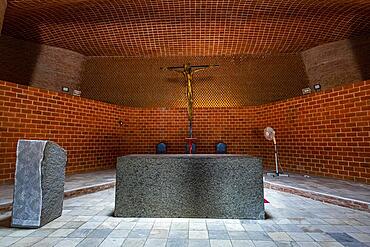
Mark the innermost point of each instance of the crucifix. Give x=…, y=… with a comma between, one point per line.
x=187, y=70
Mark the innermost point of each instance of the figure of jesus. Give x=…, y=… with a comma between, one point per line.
x=187, y=70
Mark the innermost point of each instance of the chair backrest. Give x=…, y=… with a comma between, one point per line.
x=221, y=148
x=161, y=148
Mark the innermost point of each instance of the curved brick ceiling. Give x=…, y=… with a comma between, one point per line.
x=155, y=28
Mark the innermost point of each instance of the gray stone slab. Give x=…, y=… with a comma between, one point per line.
x=214, y=186
x=39, y=183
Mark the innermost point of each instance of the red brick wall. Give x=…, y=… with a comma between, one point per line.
x=234, y=126
x=87, y=129
x=321, y=134
x=326, y=134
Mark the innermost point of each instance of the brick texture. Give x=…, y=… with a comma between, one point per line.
x=324, y=134
x=238, y=81
x=340, y=62
x=3, y=5
x=153, y=28
x=87, y=129
x=38, y=65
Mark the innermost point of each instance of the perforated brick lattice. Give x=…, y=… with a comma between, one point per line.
x=238, y=81
x=150, y=28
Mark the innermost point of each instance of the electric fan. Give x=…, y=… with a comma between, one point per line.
x=270, y=136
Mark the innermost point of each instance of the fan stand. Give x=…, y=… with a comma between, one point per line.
x=276, y=173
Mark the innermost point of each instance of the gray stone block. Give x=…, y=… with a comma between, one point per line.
x=39, y=183
x=214, y=186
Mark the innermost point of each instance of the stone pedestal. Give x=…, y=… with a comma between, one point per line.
x=39, y=183
x=198, y=185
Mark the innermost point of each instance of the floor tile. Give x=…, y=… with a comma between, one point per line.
x=55, y=224
x=362, y=237
x=98, y=218
x=178, y=234
x=330, y=244
x=264, y=244
x=287, y=244
x=21, y=233
x=162, y=225
x=159, y=233
x=70, y=242
x=238, y=235
x=5, y=232
x=73, y=224
x=177, y=242
x=279, y=236
x=342, y=237
x=155, y=243
x=300, y=236
x=7, y=241
x=108, y=225
x=199, y=243
x=234, y=227
x=253, y=228
x=218, y=235
x=27, y=241
x=180, y=226
x=216, y=227
x=143, y=225
x=259, y=236
x=290, y=228
x=198, y=234
x=321, y=236
x=308, y=244
x=47, y=242
x=197, y=227
x=139, y=233
x=129, y=242
x=242, y=243
x=61, y=233
x=99, y=233
x=80, y=233
x=90, y=242
x=126, y=225
x=90, y=225
x=119, y=233
x=220, y=243
x=42, y=232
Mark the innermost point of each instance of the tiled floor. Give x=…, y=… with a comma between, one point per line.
x=333, y=187
x=89, y=179
x=73, y=182
x=292, y=221
x=329, y=186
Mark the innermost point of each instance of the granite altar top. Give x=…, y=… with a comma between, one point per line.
x=189, y=156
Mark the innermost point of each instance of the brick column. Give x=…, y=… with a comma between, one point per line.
x=336, y=63
x=2, y=12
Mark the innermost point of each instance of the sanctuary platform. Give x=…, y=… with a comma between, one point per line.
x=201, y=185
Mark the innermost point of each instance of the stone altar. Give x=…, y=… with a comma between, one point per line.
x=39, y=183
x=205, y=186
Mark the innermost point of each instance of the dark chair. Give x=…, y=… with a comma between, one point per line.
x=221, y=148
x=161, y=148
